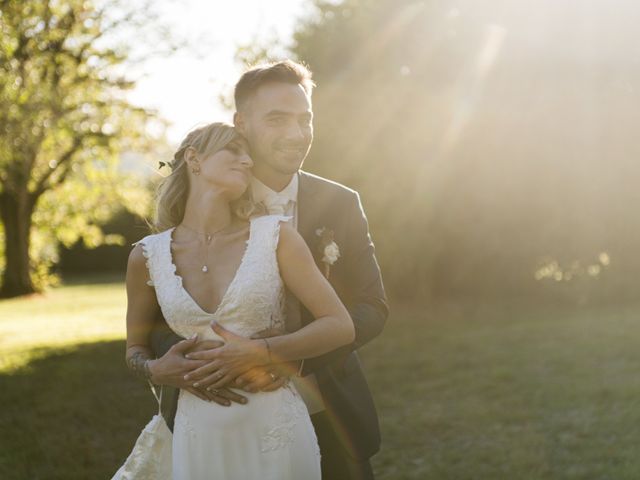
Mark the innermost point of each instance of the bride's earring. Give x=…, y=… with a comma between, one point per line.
x=191, y=157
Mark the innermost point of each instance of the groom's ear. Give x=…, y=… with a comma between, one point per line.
x=238, y=122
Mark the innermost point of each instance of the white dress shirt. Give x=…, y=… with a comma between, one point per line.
x=282, y=203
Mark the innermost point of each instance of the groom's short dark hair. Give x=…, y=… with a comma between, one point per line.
x=285, y=71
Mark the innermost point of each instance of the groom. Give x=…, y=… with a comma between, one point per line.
x=274, y=114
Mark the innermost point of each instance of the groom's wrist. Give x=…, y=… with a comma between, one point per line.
x=150, y=371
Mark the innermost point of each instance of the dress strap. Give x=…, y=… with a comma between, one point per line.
x=157, y=250
x=157, y=395
x=265, y=231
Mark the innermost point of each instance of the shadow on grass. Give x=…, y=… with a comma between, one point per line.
x=71, y=415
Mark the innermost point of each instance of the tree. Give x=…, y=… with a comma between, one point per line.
x=64, y=121
x=484, y=141
x=384, y=75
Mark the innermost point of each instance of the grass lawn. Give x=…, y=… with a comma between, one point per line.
x=464, y=391
x=60, y=320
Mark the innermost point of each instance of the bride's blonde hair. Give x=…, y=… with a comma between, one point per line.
x=173, y=191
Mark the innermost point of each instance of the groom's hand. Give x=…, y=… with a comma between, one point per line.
x=263, y=379
x=171, y=368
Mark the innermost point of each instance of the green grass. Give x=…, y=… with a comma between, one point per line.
x=464, y=391
x=60, y=319
x=471, y=391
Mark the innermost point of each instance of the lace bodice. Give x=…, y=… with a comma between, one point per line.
x=269, y=437
x=254, y=300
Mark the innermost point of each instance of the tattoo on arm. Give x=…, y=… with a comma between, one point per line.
x=138, y=363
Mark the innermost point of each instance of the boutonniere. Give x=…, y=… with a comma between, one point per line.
x=328, y=248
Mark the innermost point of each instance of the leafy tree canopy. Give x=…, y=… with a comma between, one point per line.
x=65, y=120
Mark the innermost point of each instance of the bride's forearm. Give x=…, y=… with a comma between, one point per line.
x=317, y=338
x=138, y=358
x=333, y=326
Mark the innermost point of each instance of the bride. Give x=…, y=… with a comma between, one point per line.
x=217, y=271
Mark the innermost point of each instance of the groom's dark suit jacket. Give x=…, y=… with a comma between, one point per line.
x=356, y=278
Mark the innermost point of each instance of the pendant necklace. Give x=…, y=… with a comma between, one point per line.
x=208, y=238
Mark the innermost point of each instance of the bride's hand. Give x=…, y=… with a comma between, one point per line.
x=238, y=355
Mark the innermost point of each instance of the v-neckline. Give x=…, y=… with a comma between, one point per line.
x=174, y=271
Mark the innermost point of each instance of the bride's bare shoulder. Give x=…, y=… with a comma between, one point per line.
x=137, y=267
x=136, y=257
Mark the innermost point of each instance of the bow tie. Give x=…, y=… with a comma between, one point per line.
x=276, y=204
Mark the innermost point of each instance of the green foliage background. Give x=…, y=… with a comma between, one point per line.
x=495, y=148
x=65, y=123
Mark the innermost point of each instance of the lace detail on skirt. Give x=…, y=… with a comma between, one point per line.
x=183, y=422
x=280, y=432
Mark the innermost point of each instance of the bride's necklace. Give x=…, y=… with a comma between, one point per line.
x=208, y=238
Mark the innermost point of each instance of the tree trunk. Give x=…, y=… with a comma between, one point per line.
x=15, y=212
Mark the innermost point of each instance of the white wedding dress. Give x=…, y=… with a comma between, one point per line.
x=269, y=438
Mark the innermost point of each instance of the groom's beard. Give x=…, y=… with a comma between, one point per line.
x=283, y=170
x=279, y=163
x=289, y=157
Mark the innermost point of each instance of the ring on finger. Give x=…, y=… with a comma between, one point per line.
x=273, y=376
x=215, y=391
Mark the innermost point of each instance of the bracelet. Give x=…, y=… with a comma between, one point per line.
x=268, y=349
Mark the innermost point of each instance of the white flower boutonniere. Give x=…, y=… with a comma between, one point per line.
x=328, y=248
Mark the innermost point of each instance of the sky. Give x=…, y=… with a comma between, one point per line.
x=186, y=87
